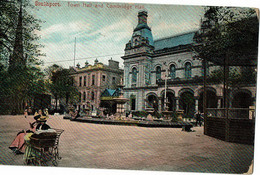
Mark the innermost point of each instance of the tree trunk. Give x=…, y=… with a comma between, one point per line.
x=56, y=103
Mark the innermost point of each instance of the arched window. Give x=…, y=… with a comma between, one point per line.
x=187, y=70
x=158, y=73
x=136, y=42
x=172, y=71
x=134, y=75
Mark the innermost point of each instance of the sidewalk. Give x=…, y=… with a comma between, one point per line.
x=89, y=145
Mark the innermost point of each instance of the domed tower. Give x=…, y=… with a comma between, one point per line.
x=138, y=63
x=142, y=38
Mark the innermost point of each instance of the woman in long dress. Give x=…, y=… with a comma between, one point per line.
x=18, y=144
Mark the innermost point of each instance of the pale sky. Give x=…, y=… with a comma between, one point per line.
x=102, y=32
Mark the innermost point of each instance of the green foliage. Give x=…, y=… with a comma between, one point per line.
x=8, y=22
x=24, y=81
x=228, y=33
x=61, y=84
x=237, y=76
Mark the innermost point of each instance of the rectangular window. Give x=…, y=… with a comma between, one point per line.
x=92, y=96
x=113, y=80
x=79, y=97
x=85, y=81
x=133, y=104
x=104, y=78
x=93, y=79
x=80, y=81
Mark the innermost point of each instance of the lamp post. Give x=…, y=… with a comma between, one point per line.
x=166, y=113
x=165, y=92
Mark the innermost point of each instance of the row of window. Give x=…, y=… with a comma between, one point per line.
x=85, y=80
x=93, y=81
x=172, y=72
x=83, y=96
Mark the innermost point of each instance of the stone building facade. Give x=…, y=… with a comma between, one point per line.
x=148, y=63
x=92, y=80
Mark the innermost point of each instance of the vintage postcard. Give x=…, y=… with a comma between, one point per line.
x=128, y=86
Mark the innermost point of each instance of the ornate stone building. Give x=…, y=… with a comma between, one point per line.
x=151, y=66
x=92, y=80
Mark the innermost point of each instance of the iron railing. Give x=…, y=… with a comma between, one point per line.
x=231, y=113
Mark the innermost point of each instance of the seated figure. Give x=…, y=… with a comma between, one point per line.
x=74, y=115
x=29, y=150
x=18, y=144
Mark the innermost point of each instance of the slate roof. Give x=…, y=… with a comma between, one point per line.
x=174, y=41
x=144, y=31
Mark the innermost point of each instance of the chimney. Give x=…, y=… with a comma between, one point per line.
x=113, y=64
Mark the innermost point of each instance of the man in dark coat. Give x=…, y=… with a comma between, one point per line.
x=198, y=118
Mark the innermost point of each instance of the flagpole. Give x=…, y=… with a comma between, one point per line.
x=75, y=51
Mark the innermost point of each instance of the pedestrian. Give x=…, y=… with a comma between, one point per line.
x=198, y=119
x=25, y=113
x=30, y=111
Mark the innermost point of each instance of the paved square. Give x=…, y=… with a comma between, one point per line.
x=88, y=145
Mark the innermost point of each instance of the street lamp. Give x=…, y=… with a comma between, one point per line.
x=166, y=113
x=165, y=92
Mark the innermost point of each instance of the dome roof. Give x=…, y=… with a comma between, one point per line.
x=142, y=29
x=142, y=26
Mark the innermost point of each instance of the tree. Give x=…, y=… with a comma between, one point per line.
x=228, y=32
x=19, y=53
x=9, y=12
x=228, y=37
x=61, y=85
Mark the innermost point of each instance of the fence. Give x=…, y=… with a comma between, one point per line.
x=238, y=125
x=232, y=113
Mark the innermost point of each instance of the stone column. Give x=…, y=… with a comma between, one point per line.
x=160, y=104
x=142, y=79
x=139, y=74
x=98, y=97
x=196, y=104
x=98, y=79
x=219, y=102
x=177, y=104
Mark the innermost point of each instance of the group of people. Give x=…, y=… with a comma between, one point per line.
x=18, y=145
